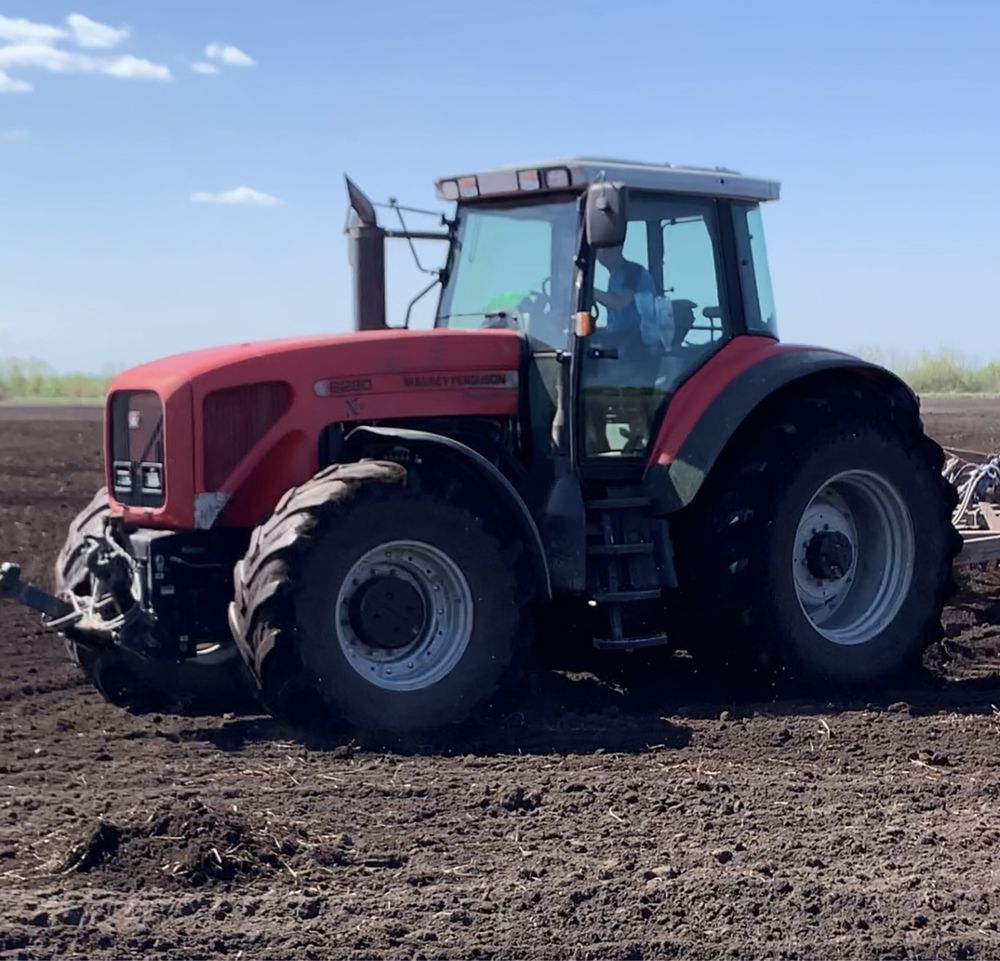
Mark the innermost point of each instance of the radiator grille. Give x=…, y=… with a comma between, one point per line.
x=235, y=418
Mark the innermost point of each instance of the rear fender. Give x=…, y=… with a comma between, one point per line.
x=461, y=460
x=708, y=410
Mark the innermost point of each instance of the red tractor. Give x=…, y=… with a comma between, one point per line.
x=368, y=525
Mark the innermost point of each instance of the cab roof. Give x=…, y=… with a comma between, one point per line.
x=579, y=173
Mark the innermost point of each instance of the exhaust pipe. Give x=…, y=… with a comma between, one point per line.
x=366, y=251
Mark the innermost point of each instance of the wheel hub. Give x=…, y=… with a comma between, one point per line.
x=405, y=615
x=387, y=612
x=829, y=555
x=853, y=557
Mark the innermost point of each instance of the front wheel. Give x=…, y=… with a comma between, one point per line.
x=826, y=549
x=366, y=600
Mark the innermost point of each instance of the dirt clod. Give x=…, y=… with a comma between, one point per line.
x=521, y=799
x=70, y=916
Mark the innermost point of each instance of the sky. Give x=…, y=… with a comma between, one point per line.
x=171, y=171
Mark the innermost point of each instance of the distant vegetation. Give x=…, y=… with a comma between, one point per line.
x=35, y=380
x=943, y=372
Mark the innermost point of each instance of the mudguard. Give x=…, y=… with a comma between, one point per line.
x=464, y=457
x=712, y=404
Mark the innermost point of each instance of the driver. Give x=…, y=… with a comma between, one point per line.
x=631, y=295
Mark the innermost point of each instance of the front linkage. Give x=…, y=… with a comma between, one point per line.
x=110, y=615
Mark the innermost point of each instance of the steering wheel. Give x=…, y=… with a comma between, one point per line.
x=538, y=301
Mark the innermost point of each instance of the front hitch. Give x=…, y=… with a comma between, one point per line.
x=111, y=615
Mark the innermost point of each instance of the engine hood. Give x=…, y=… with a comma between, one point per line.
x=304, y=362
x=242, y=424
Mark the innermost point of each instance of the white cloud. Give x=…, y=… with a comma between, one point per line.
x=240, y=196
x=10, y=85
x=206, y=68
x=230, y=56
x=14, y=135
x=27, y=31
x=55, y=60
x=90, y=33
x=43, y=56
x=134, y=68
x=36, y=46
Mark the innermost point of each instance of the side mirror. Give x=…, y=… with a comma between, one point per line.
x=605, y=218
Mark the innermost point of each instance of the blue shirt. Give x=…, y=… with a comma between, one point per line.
x=639, y=281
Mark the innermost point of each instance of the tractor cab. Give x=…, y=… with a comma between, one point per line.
x=630, y=276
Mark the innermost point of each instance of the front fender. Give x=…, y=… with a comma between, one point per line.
x=711, y=406
x=463, y=459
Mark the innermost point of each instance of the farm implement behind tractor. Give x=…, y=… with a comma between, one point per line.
x=976, y=478
x=602, y=425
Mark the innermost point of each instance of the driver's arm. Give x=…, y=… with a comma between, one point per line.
x=614, y=299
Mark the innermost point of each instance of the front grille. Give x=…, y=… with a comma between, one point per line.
x=136, y=434
x=236, y=418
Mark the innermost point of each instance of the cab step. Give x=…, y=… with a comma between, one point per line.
x=619, y=503
x=624, y=579
x=630, y=643
x=617, y=550
x=625, y=597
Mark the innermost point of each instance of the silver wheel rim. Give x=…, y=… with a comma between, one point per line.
x=853, y=558
x=447, y=623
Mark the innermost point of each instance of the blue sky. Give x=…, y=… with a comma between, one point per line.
x=880, y=119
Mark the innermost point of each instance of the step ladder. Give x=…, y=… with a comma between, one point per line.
x=622, y=568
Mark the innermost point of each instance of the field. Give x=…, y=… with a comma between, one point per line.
x=625, y=816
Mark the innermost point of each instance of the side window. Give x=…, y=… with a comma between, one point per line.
x=755, y=278
x=690, y=279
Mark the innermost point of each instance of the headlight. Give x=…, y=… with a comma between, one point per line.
x=151, y=478
x=122, y=472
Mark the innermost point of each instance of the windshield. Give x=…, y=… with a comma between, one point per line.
x=513, y=267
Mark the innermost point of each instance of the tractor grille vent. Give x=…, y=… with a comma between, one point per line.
x=136, y=435
x=236, y=418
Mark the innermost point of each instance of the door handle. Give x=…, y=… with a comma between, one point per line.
x=602, y=353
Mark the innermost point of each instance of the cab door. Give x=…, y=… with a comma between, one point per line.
x=642, y=348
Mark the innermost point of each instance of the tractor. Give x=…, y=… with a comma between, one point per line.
x=602, y=422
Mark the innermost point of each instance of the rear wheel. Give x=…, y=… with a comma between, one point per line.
x=820, y=549
x=211, y=682
x=365, y=599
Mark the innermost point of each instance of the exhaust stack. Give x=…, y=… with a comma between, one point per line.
x=366, y=251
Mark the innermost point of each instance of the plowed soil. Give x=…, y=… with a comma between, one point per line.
x=637, y=814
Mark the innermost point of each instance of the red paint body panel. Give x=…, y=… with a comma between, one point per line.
x=363, y=376
x=696, y=395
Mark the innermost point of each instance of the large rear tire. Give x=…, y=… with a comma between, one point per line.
x=820, y=549
x=369, y=599
x=210, y=683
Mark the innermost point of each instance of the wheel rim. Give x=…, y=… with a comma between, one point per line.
x=853, y=558
x=404, y=615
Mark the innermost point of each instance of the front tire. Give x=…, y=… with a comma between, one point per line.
x=366, y=599
x=820, y=550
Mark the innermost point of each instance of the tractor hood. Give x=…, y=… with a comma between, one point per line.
x=235, y=427
x=305, y=361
